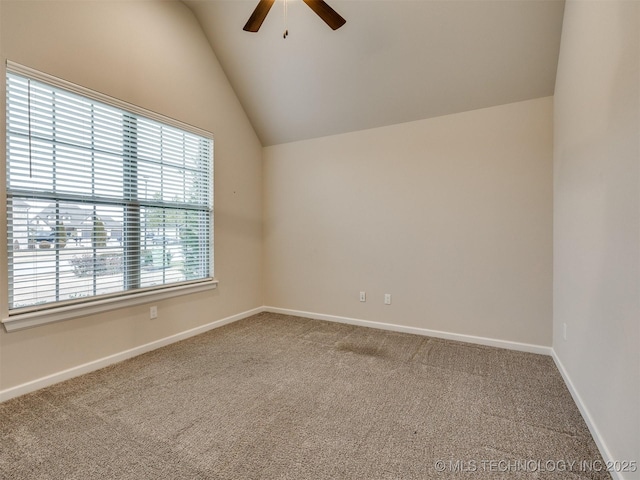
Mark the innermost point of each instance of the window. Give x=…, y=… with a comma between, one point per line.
x=104, y=199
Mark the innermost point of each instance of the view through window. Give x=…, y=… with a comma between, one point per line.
x=101, y=200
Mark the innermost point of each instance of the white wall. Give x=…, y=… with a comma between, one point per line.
x=451, y=215
x=597, y=217
x=152, y=54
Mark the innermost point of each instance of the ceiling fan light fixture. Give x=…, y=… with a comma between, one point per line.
x=320, y=7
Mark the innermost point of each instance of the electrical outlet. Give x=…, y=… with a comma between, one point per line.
x=564, y=330
x=387, y=299
x=363, y=296
x=153, y=312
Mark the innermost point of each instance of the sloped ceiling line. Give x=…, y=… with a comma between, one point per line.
x=393, y=61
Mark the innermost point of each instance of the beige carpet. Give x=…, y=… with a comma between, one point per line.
x=280, y=397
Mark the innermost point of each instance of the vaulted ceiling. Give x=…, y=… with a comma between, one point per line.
x=393, y=61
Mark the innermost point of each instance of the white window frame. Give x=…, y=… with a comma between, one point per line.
x=49, y=313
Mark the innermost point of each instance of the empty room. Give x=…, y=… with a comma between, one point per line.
x=297, y=239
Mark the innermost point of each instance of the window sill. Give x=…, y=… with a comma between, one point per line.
x=22, y=321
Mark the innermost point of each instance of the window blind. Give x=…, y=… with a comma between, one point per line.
x=101, y=200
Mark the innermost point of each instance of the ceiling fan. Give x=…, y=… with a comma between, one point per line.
x=324, y=11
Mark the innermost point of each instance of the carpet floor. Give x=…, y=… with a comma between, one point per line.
x=281, y=397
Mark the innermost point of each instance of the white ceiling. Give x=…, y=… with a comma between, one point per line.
x=394, y=61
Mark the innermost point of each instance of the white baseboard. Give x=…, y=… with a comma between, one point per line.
x=491, y=342
x=57, y=377
x=118, y=357
x=584, y=411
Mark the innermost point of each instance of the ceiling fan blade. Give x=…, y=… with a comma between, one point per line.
x=258, y=16
x=326, y=13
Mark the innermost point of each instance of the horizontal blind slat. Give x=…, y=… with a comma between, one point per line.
x=100, y=200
